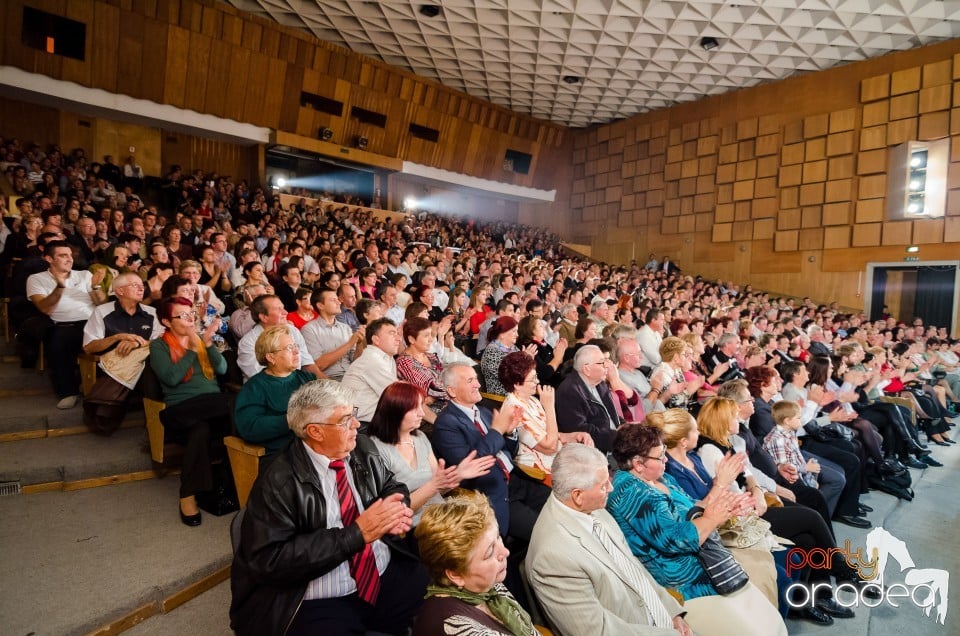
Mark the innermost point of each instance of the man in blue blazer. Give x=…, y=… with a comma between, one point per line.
x=456, y=433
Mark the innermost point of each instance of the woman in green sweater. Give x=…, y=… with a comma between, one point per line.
x=187, y=364
x=261, y=407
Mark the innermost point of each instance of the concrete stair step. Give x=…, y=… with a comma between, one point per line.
x=206, y=614
x=105, y=558
x=37, y=416
x=74, y=458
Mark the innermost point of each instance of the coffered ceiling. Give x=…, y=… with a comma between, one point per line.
x=627, y=56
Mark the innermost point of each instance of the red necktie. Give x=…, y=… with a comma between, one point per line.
x=483, y=431
x=363, y=564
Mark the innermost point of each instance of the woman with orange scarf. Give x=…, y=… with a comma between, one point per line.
x=186, y=363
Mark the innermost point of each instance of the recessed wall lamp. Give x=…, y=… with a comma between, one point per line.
x=709, y=43
x=571, y=79
x=913, y=249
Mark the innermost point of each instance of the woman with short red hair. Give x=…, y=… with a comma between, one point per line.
x=187, y=364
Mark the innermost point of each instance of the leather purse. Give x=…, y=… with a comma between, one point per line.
x=724, y=572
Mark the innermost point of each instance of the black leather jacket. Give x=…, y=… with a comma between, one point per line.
x=284, y=543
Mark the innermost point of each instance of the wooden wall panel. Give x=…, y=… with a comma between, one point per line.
x=791, y=182
x=209, y=57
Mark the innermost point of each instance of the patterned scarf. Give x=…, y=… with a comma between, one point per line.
x=504, y=609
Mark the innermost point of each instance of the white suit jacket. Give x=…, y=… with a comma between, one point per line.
x=579, y=585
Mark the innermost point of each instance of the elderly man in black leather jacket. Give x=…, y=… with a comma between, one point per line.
x=292, y=571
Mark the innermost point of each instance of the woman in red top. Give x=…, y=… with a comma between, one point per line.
x=478, y=310
x=304, y=312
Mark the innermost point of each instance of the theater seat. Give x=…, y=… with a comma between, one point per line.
x=88, y=372
x=244, y=464
x=906, y=403
x=151, y=413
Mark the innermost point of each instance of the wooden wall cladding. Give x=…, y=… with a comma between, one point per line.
x=805, y=181
x=209, y=57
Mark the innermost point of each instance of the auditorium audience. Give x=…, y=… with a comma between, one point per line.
x=242, y=236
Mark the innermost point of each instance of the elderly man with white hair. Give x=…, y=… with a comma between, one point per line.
x=580, y=565
x=317, y=551
x=584, y=400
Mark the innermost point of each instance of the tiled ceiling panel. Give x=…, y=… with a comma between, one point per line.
x=630, y=56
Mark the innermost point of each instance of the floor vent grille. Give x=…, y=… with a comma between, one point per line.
x=8, y=488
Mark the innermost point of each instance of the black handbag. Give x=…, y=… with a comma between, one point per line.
x=726, y=575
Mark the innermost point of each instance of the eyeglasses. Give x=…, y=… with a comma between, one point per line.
x=661, y=458
x=134, y=285
x=187, y=315
x=343, y=422
x=289, y=347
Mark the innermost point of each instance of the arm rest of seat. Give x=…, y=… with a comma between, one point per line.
x=88, y=371
x=151, y=413
x=244, y=464
x=901, y=401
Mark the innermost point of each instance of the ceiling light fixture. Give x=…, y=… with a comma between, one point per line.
x=429, y=10
x=709, y=43
x=913, y=249
x=326, y=134
x=572, y=79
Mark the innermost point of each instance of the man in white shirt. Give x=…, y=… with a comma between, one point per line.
x=267, y=311
x=629, y=358
x=391, y=309
x=650, y=335
x=68, y=297
x=374, y=369
x=330, y=342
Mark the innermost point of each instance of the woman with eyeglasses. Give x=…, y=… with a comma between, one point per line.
x=665, y=529
x=186, y=364
x=261, y=406
x=539, y=439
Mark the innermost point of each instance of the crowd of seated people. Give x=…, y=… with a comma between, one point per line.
x=429, y=320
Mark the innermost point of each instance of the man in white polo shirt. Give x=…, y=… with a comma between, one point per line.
x=68, y=298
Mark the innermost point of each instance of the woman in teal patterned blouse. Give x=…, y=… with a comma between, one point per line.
x=651, y=510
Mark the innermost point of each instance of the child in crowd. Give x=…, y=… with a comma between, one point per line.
x=781, y=443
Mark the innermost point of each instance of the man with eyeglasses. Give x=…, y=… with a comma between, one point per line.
x=318, y=548
x=121, y=327
x=586, y=578
x=584, y=400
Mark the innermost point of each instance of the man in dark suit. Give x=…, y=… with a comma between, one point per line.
x=583, y=399
x=465, y=426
